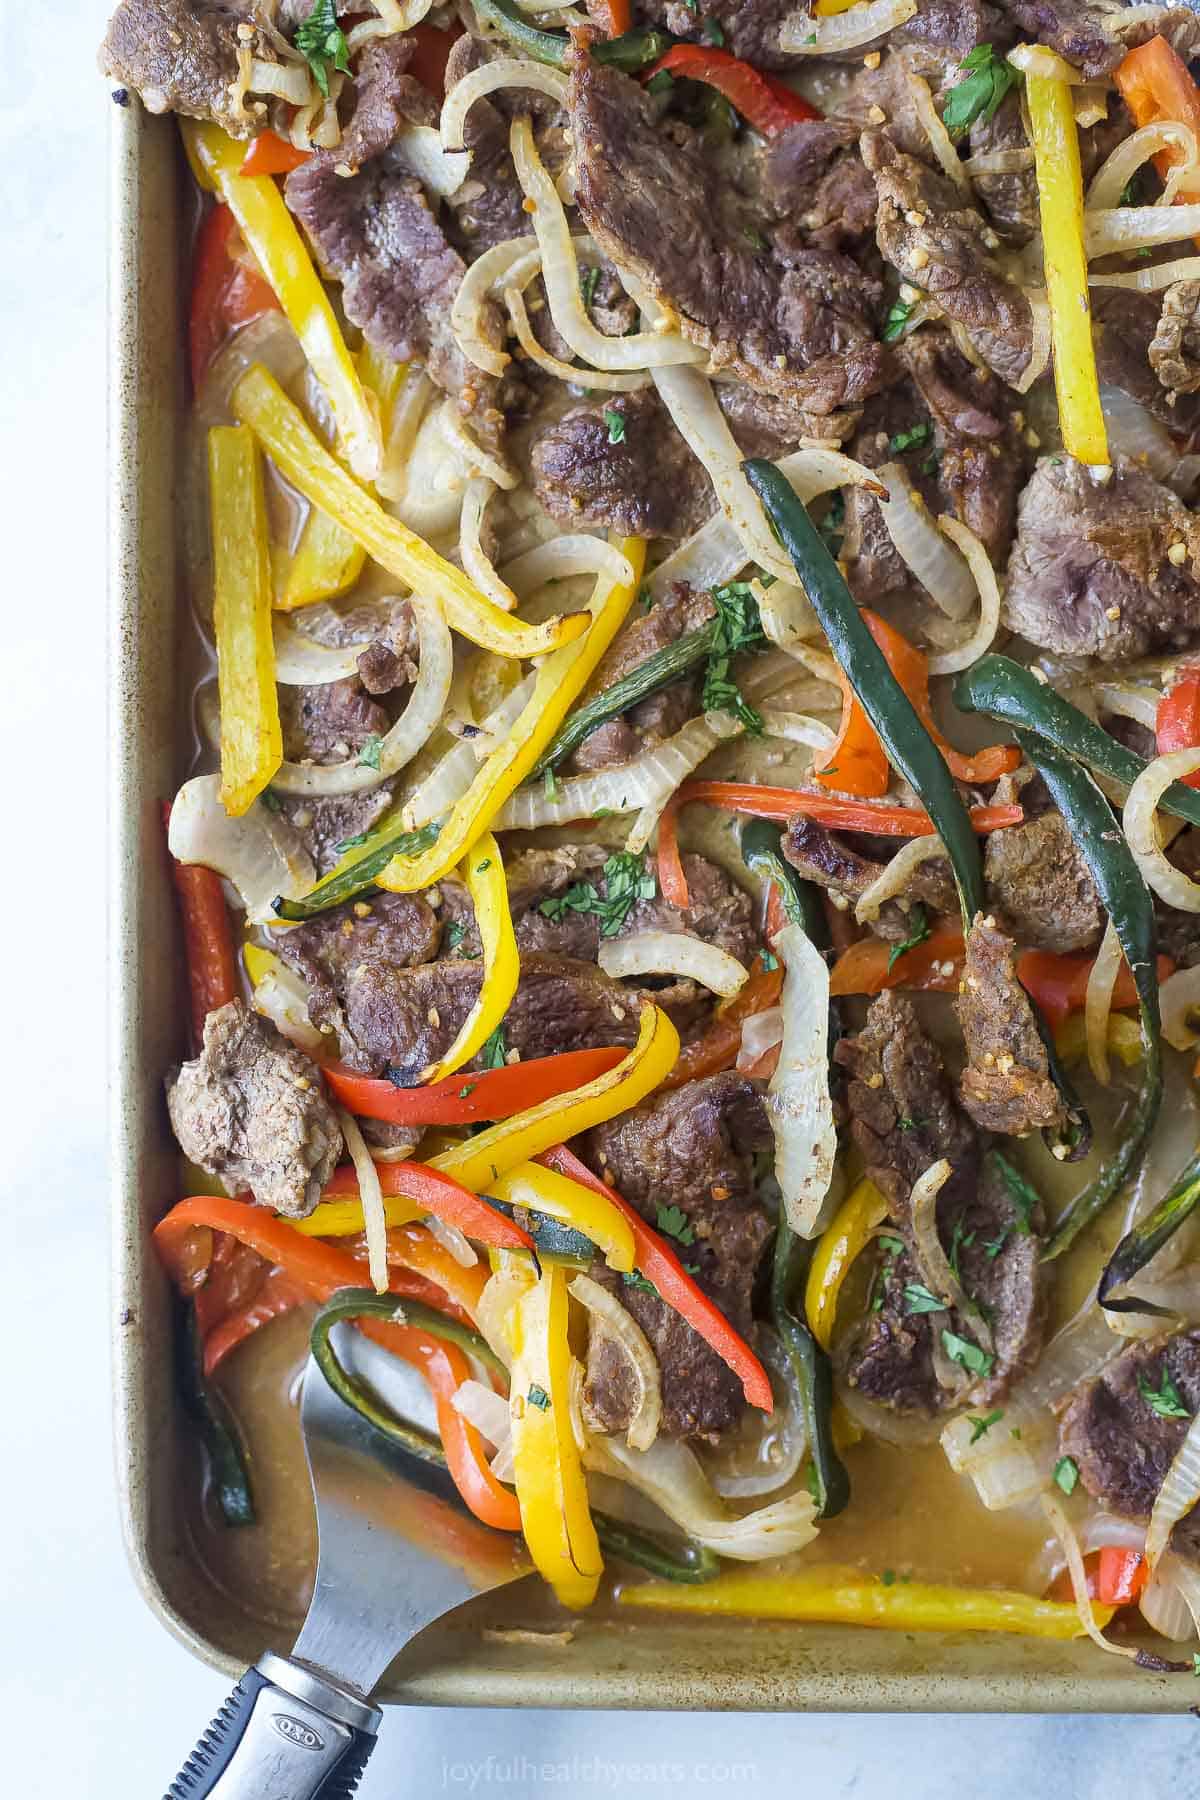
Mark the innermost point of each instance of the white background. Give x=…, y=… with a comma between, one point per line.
x=99, y=1701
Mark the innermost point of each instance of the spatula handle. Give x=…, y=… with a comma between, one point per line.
x=285, y=1733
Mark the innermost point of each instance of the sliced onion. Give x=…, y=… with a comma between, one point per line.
x=1140, y=823
x=412, y=729
x=493, y=1310
x=674, y=761
x=1041, y=339
x=924, y=550
x=797, y=728
x=998, y=162
x=764, y=1451
x=485, y=1409
x=268, y=340
x=506, y=71
x=806, y=34
x=282, y=997
x=1186, y=1578
x=1163, y=1605
x=1179, y=1003
x=1178, y=1494
x=560, y=272
x=453, y=1240
x=285, y=82
x=948, y=662
x=786, y=613
x=575, y=553
x=475, y=460
x=466, y=312
x=426, y=491
x=895, y=876
x=1138, y=227
x=1148, y=281
x=939, y=138
x=452, y=776
x=673, y=953
x=300, y=661
x=1101, y=1528
x=601, y=379
x=1036, y=59
x=1133, y=431
x=909, y=1431
x=420, y=150
x=1090, y=103
x=260, y=853
x=405, y=415
x=1065, y=1533
x=760, y=1033
x=1118, y=170
x=476, y=563
x=1102, y=979
x=798, y=1100
x=624, y=1329
x=371, y=1195
x=934, y=1263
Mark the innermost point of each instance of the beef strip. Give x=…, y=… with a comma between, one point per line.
x=817, y=855
x=798, y=323
x=681, y=610
x=252, y=1111
x=1006, y=1086
x=399, y=929
x=1010, y=200
x=1175, y=348
x=376, y=233
x=489, y=207
x=1039, y=884
x=330, y=722
x=904, y=1118
x=1121, y=1445
x=813, y=178
x=1124, y=331
x=325, y=826
x=1090, y=573
x=943, y=246
x=646, y=483
x=1095, y=37
x=181, y=56
x=691, y=1149
x=942, y=33
x=748, y=28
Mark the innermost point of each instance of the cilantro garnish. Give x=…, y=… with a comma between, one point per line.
x=769, y=960
x=661, y=83
x=918, y=1299
x=910, y=439
x=966, y=1354
x=589, y=278
x=537, y=1396
x=711, y=33
x=896, y=320
x=987, y=79
x=616, y=425
x=495, y=1050
x=979, y=1426
x=738, y=628
x=633, y=1280
x=455, y=933
x=1165, y=1400
x=322, y=43
x=672, y=1221
x=368, y=756
x=626, y=880
x=271, y=801
x=754, y=238
x=918, y=920
x=1025, y=1198
x=1066, y=1474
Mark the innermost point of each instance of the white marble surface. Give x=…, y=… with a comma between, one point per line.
x=100, y=1702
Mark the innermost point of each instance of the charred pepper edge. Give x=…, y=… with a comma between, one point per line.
x=226, y=1454
x=631, y=51
x=1127, y=901
x=689, y=1562
x=909, y=746
x=1148, y=1237
x=358, y=877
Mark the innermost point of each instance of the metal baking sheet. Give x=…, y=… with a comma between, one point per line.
x=657, y=1662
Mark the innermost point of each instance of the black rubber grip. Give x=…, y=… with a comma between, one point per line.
x=220, y=1743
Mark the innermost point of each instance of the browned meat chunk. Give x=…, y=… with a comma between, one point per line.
x=621, y=464
x=180, y=56
x=1124, y=1443
x=940, y=245
x=1040, y=884
x=1091, y=573
x=681, y=610
x=399, y=929
x=331, y=722
x=327, y=826
x=1006, y=1086
x=251, y=1110
x=798, y=323
x=489, y=208
x=1175, y=348
x=814, y=178
x=684, y=1159
x=1009, y=199
x=1124, y=325
x=1095, y=37
x=749, y=28
x=819, y=856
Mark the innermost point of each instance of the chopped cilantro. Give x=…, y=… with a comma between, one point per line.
x=995, y=1245
x=495, y=1050
x=645, y=599
x=739, y=628
x=464, y=1093
x=910, y=1122
x=918, y=1299
x=616, y=425
x=910, y=439
x=537, y=1396
x=672, y=1221
x=1129, y=193
x=918, y=920
x=987, y=79
x=1165, y=1400
x=1025, y=1198
x=633, y=1280
x=769, y=961
x=589, y=278
x=832, y=527
x=932, y=463
x=754, y=238
x=896, y=320
x=1066, y=1474
x=711, y=33
x=661, y=83
x=959, y=1240
x=271, y=800
x=322, y=43
x=368, y=756
x=485, y=864
x=966, y=1354
x=626, y=880
x=455, y=933
x=1014, y=1431
x=551, y=785
x=980, y=1426
x=352, y=843
x=891, y=1246
x=812, y=1482
x=889, y=1578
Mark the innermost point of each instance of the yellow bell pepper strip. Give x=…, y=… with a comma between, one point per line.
x=481, y=1160
x=483, y=875
x=297, y=451
x=1060, y=195
x=560, y=681
x=838, y=1246
x=845, y=1596
x=325, y=563
x=251, y=736
x=384, y=376
x=411, y=1191
x=544, y=1191
x=274, y=237
x=1124, y=1038
x=551, y=1486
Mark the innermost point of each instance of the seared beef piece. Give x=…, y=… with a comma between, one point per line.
x=648, y=484
x=1095, y=37
x=1089, y=573
x=692, y=1149
x=814, y=179
x=796, y=323
x=407, y=1018
x=1010, y=201
x=749, y=28
x=251, y=1110
x=325, y=826
x=943, y=33
x=180, y=56
x=681, y=610
x=1124, y=325
x=904, y=1118
x=1122, y=1446
x=947, y=254
x=386, y=99
x=1006, y=1086
x=1175, y=348
x=1039, y=884
x=382, y=667
x=817, y=855
x=400, y=929
x=765, y=425
x=376, y=233
x=328, y=723
x=489, y=208
x=886, y=89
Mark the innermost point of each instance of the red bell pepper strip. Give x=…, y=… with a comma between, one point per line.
x=718, y=1047
x=462, y=1099
x=1115, y=1577
x=1058, y=981
x=277, y=1294
x=661, y=1266
x=867, y=966
x=270, y=154
x=781, y=803
x=207, y=939
x=428, y=61
x=1177, y=721
x=440, y=1195
x=765, y=103
x=226, y=293
x=612, y=16
x=857, y=763
x=1155, y=84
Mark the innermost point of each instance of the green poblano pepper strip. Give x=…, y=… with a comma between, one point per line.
x=358, y=877
x=1127, y=901
x=1004, y=690
x=813, y=1369
x=684, y=1561
x=762, y=853
x=226, y=1458
x=658, y=671
x=910, y=748
x=631, y=51
x=1148, y=1237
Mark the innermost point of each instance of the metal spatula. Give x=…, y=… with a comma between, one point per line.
x=396, y=1552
